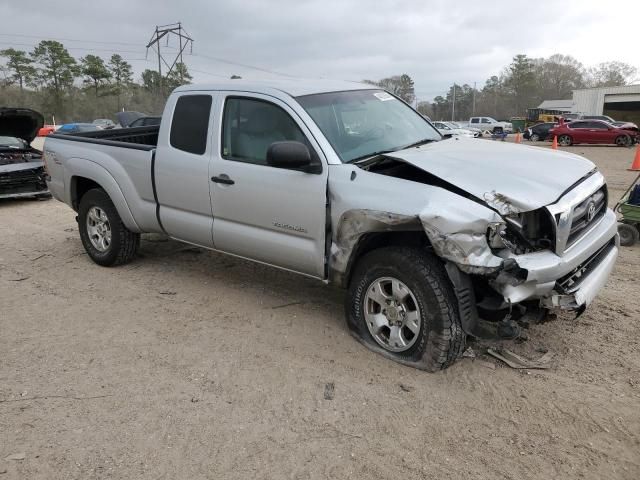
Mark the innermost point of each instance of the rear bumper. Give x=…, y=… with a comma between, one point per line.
x=573, y=279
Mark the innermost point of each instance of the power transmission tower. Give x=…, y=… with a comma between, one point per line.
x=184, y=41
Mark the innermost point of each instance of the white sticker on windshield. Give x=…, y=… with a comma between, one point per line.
x=384, y=96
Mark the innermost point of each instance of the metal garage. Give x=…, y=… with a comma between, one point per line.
x=621, y=103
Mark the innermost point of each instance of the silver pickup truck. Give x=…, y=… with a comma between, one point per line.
x=433, y=238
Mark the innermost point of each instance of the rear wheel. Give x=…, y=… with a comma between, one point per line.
x=105, y=238
x=402, y=304
x=624, y=141
x=629, y=234
x=565, y=140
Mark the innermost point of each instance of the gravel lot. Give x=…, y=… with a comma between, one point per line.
x=187, y=364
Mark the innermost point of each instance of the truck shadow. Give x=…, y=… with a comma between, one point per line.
x=277, y=289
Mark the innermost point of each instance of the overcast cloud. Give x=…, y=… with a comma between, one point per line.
x=436, y=41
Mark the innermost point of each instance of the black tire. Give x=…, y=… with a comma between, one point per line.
x=629, y=234
x=124, y=243
x=534, y=137
x=440, y=338
x=565, y=140
x=624, y=141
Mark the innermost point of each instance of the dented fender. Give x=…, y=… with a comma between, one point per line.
x=456, y=227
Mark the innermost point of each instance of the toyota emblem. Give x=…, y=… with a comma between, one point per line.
x=591, y=211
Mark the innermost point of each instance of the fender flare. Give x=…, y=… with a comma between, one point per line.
x=85, y=168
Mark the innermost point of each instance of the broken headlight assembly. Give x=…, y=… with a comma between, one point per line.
x=523, y=232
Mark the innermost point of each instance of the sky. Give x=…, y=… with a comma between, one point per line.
x=436, y=42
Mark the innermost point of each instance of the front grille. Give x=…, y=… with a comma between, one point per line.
x=570, y=282
x=587, y=213
x=22, y=181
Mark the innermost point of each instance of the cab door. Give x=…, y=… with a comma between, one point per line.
x=181, y=167
x=272, y=215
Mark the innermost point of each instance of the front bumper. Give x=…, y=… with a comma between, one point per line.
x=573, y=279
x=23, y=182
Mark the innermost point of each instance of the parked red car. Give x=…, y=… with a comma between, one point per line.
x=593, y=131
x=46, y=130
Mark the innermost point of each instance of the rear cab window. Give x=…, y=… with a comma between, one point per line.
x=190, y=123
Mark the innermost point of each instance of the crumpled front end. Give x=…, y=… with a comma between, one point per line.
x=499, y=254
x=560, y=255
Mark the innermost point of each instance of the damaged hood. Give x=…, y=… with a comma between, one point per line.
x=508, y=177
x=21, y=123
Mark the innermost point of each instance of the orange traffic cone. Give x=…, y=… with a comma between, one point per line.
x=517, y=137
x=554, y=145
x=635, y=166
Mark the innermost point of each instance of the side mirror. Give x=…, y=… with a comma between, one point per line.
x=292, y=156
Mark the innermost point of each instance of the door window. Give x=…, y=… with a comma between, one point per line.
x=250, y=126
x=190, y=124
x=475, y=120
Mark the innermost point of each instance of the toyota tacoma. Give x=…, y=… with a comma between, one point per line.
x=433, y=238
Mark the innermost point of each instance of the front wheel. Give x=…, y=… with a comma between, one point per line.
x=401, y=304
x=105, y=238
x=534, y=137
x=565, y=140
x=624, y=141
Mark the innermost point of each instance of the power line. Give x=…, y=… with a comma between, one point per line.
x=75, y=48
x=66, y=39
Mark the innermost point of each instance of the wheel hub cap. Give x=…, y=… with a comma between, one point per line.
x=98, y=229
x=392, y=314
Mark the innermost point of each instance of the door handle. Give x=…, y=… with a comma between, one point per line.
x=224, y=179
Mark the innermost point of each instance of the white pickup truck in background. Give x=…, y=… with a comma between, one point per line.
x=490, y=124
x=348, y=184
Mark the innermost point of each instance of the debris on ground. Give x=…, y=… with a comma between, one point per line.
x=516, y=361
x=405, y=388
x=167, y=292
x=469, y=353
x=329, y=391
x=16, y=456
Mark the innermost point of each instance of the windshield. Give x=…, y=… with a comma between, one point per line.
x=361, y=123
x=12, y=142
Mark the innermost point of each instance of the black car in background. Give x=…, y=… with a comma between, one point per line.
x=538, y=132
x=146, y=122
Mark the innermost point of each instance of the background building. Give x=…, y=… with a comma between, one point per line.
x=620, y=103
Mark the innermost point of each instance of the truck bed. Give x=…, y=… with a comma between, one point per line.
x=139, y=138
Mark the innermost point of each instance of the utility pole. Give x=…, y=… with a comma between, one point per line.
x=184, y=40
x=473, y=107
x=453, y=104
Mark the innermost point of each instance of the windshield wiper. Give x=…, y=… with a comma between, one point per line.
x=418, y=143
x=371, y=155
x=383, y=152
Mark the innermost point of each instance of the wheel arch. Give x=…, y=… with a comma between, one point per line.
x=88, y=175
x=362, y=231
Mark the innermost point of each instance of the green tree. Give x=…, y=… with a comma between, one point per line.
x=20, y=66
x=179, y=75
x=612, y=74
x=95, y=71
x=520, y=80
x=150, y=80
x=57, y=69
x=122, y=75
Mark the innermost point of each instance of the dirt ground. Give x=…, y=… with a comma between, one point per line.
x=187, y=364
